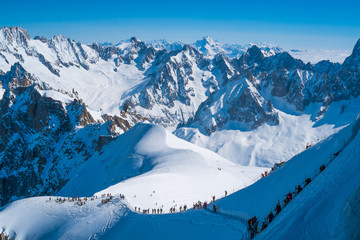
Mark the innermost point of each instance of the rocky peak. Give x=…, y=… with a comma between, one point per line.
x=222, y=65
x=241, y=105
x=69, y=52
x=17, y=76
x=253, y=55
x=206, y=41
x=15, y=35
x=326, y=66
x=42, y=39
x=163, y=44
x=190, y=50
x=282, y=60
x=352, y=63
x=105, y=52
x=134, y=40
x=208, y=46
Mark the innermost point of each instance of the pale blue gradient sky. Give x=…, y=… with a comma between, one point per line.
x=290, y=24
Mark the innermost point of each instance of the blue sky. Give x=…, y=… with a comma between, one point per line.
x=290, y=24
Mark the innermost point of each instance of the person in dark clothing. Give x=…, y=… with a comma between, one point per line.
x=270, y=217
x=298, y=189
x=278, y=208
x=214, y=208
x=307, y=181
x=322, y=168
x=264, y=225
x=249, y=223
x=289, y=196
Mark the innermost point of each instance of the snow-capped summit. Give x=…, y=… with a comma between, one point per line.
x=165, y=44
x=13, y=36
x=209, y=46
x=353, y=61
x=118, y=85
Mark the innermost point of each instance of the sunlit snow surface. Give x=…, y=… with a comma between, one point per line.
x=336, y=214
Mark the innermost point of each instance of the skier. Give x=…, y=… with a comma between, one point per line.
x=213, y=198
x=307, y=181
x=205, y=205
x=225, y=193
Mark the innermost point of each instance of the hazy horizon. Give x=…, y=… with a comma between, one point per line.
x=320, y=25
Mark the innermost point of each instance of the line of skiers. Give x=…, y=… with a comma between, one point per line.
x=253, y=224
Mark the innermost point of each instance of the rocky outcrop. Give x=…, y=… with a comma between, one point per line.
x=3, y=236
x=42, y=140
x=238, y=104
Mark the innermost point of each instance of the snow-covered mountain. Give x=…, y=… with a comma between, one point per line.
x=210, y=47
x=71, y=121
x=52, y=219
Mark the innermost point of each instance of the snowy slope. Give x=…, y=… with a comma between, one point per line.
x=264, y=146
x=328, y=208
x=39, y=218
x=297, y=221
x=268, y=144
x=257, y=199
x=136, y=165
x=168, y=172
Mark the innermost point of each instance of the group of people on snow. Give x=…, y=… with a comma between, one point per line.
x=253, y=228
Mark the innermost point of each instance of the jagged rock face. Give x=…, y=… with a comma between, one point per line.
x=132, y=51
x=171, y=87
x=297, y=83
x=239, y=103
x=30, y=127
x=41, y=139
x=13, y=36
x=352, y=63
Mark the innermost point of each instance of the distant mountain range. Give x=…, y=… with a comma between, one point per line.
x=62, y=100
x=211, y=47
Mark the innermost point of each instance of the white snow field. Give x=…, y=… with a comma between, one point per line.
x=268, y=144
x=155, y=169
x=326, y=209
